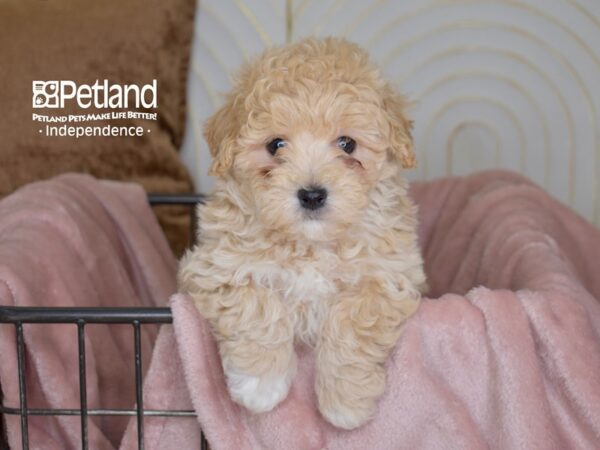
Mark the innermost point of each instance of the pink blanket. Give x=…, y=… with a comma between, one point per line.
x=512, y=365
x=74, y=241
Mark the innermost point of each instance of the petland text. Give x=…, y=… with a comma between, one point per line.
x=101, y=94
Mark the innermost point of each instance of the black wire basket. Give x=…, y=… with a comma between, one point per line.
x=80, y=317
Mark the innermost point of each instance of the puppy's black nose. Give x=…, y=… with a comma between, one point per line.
x=312, y=198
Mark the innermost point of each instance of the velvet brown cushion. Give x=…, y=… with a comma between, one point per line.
x=123, y=41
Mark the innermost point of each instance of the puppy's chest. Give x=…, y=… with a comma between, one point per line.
x=306, y=288
x=306, y=281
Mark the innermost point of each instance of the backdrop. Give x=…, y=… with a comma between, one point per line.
x=496, y=84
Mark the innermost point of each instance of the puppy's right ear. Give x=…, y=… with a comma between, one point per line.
x=401, y=143
x=220, y=132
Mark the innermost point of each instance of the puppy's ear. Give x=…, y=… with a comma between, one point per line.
x=220, y=132
x=400, y=138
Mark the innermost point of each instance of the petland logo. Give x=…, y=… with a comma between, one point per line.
x=101, y=94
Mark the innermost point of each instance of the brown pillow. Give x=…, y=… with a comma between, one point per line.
x=123, y=41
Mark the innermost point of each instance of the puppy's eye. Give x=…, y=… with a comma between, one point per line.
x=346, y=143
x=275, y=145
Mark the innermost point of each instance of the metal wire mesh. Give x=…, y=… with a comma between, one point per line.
x=80, y=317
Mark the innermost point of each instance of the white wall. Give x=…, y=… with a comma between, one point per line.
x=508, y=84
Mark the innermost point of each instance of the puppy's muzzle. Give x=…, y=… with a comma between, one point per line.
x=312, y=198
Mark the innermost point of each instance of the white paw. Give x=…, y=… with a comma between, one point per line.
x=259, y=394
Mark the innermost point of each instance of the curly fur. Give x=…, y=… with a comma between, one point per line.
x=265, y=273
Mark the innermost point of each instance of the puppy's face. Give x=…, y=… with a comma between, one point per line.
x=307, y=133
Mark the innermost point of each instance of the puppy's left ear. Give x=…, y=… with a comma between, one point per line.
x=400, y=126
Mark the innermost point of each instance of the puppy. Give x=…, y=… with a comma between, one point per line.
x=309, y=234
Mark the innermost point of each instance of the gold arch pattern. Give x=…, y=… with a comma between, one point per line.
x=463, y=125
x=562, y=59
x=506, y=110
x=515, y=85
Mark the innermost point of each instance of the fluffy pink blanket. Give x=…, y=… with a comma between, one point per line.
x=75, y=241
x=505, y=354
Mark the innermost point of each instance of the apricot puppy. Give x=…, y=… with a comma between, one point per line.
x=309, y=233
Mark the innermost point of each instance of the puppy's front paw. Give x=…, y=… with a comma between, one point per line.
x=259, y=394
x=348, y=415
x=348, y=395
